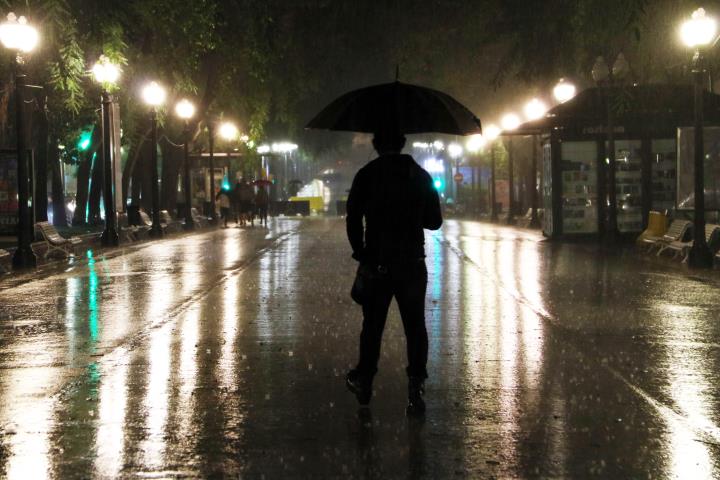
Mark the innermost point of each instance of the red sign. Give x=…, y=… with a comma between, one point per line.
x=458, y=177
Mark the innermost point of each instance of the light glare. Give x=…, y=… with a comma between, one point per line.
x=564, y=91
x=455, y=150
x=700, y=30
x=284, y=147
x=105, y=71
x=433, y=165
x=510, y=122
x=476, y=143
x=153, y=94
x=535, y=109
x=228, y=131
x=16, y=34
x=492, y=132
x=185, y=109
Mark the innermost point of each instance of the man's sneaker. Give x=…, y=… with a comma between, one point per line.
x=360, y=386
x=416, y=389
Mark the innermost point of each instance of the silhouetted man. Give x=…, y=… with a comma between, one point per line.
x=396, y=198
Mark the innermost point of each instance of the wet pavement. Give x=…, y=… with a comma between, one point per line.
x=222, y=354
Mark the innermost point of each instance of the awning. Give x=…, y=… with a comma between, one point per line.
x=641, y=109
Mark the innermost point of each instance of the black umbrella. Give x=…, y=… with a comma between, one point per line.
x=397, y=108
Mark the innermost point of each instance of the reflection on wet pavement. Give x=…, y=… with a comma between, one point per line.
x=222, y=354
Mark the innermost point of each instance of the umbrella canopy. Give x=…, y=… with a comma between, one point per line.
x=397, y=108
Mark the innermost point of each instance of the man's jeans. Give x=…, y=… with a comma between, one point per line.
x=406, y=282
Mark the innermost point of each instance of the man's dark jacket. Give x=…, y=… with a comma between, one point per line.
x=397, y=199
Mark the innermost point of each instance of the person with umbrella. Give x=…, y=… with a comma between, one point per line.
x=396, y=200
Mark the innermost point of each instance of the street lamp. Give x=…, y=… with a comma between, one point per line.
x=475, y=144
x=154, y=95
x=18, y=36
x=510, y=122
x=186, y=110
x=228, y=131
x=564, y=91
x=492, y=132
x=535, y=109
x=699, y=32
x=107, y=74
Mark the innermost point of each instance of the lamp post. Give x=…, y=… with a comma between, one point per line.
x=107, y=74
x=211, y=164
x=230, y=133
x=474, y=145
x=509, y=123
x=699, y=32
x=18, y=36
x=606, y=79
x=492, y=132
x=186, y=110
x=154, y=96
x=535, y=109
x=455, y=151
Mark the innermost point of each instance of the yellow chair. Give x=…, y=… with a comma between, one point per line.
x=657, y=226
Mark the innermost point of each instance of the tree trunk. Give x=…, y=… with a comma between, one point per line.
x=58, y=190
x=172, y=158
x=83, y=180
x=83, y=177
x=132, y=160
x=142, y=179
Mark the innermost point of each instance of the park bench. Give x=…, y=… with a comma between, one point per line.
x=4, y=257
x=168, y=223
x=675, y=233
x=199, y=220
x=146, y=221
x=526, y=219
x=712, y=237
x=54, y=241
x=130, y=232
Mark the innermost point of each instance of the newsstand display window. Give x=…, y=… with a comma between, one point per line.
x=579, y=177
x=664, y=174
x=628, y=185
x=547, y=186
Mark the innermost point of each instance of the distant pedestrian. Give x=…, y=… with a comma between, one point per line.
x=223, y=201
x=236, y=202
x=247, y=201
x=396, y=200
x=261, y=204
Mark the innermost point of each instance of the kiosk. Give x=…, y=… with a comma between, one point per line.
x=647, y=120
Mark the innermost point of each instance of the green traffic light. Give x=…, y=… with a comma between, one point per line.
x=438, y=184
x=84, y=141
